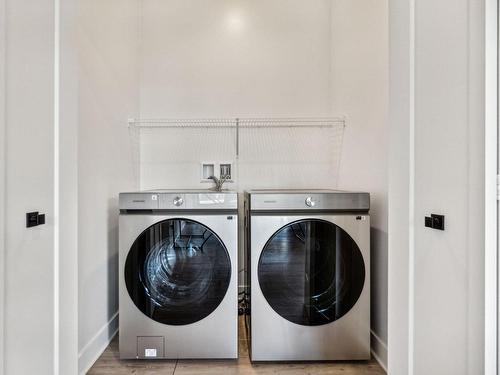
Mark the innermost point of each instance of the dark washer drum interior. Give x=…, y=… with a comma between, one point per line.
x=311, y=272
x=177, y=271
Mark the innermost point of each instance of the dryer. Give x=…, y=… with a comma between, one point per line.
x=178, y=292
x=308, y=273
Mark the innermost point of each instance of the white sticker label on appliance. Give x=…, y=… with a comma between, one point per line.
x=150, y=352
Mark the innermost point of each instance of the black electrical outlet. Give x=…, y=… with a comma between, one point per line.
x=435, y=221
x=34, y=219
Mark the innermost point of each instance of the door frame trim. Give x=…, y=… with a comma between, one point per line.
x=3, y=145
x=401, y=187
x=491, y=202
x=65, y=188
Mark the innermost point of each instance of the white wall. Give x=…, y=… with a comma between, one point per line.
x=29, y=186
x=235, y=59
x=436, y=294
x=360, y=70
x=108, y=87
x=272, y=58
x=38, y=113
x=449, y=121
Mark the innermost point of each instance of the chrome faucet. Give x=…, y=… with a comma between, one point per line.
x=218, y=182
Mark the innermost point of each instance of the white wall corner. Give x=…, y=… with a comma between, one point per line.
x=96, y=346
x=379, y=350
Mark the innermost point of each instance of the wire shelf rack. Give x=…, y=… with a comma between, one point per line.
x=239, y=123
x=282, y=150
x=297, y=122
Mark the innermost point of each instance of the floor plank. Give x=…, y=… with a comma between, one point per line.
x=110, y=364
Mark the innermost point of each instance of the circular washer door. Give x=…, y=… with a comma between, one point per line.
x=177, y=272
x=311, y=272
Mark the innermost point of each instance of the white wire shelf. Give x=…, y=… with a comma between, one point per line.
x=283, y=151
x=237, y=122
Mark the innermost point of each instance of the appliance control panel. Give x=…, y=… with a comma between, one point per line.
x=172, y=201
x=203, y=200
x=139, y=201
x=324, y=201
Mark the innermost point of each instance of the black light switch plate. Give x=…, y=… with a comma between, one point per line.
x=428, y=222
x=41, y=219
x=435, y=221
x=34, y=219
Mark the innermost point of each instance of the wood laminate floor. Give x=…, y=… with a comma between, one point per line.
x=110, y=364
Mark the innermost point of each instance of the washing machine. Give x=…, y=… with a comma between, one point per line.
x=308, y=275
x=178, y=292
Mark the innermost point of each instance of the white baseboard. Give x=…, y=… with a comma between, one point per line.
x=379, y=350
x=96, y=346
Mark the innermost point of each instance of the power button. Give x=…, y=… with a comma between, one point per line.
x=178, y=201
x=310, y=202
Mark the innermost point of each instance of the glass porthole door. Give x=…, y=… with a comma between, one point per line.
x=311, y=272
x=177, y=272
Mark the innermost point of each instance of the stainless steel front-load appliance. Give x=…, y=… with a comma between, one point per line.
x=308, y=269
x=178, y=275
